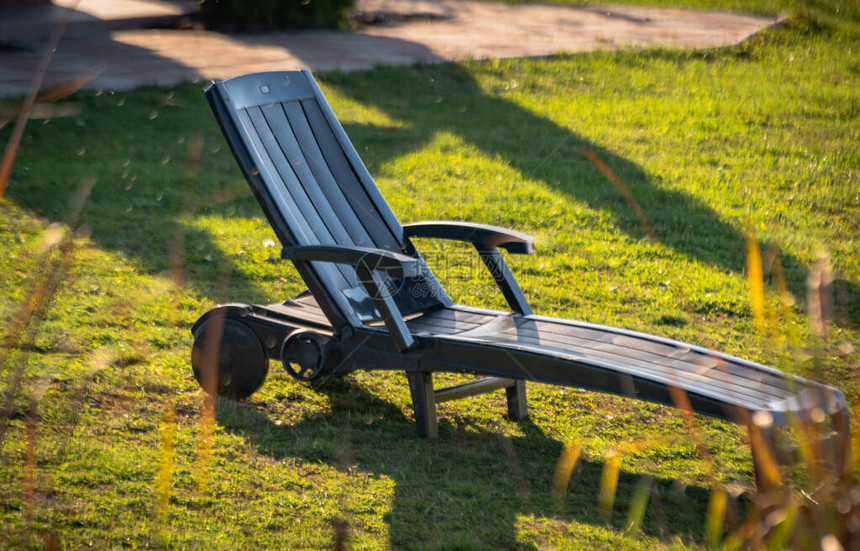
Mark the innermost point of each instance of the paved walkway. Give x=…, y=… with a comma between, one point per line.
x=131, y=43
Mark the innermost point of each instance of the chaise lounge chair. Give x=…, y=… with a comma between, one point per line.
x=373, y=303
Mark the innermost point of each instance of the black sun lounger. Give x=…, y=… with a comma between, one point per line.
x=373, y=303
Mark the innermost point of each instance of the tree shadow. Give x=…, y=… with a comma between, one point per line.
x=434, y=99
x=140, y=216
x=494, y=478
x=430, y=99
x=135, y=146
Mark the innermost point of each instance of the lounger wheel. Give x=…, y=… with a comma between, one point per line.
x=228, y=358
x=305, y=355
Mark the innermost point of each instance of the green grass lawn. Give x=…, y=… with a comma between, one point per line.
x=103, y=442
x=749, y=6
x=823, y=9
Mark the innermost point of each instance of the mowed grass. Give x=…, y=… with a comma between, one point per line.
x=748, y=6
x=107, y=442
x=838, y=12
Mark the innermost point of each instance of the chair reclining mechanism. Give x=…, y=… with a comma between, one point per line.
x=373, y=303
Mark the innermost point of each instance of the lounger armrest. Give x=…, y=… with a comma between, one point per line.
x=484, y=235
x=487, y=240
x=394, y=264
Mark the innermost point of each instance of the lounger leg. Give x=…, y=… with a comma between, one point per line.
x=843, y=461
x=518, y=406
x=764, y=455
x=424, y=404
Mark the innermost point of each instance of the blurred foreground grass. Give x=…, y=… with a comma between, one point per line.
x=105, y=441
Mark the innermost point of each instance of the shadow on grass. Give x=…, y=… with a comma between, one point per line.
x=135, y=146
x=470, y=488
x=135, y=214
x=435, y=99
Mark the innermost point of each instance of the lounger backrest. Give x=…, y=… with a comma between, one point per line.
x=311, y=184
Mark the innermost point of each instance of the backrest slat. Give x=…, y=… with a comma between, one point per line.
x=292, y=157
x=306, y=212
x=364, y=177
x=284, y=193
x=313, y=187
x=324, y=180
x=343, y=173
x=279, y=193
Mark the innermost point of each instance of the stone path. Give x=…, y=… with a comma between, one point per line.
x=131, y=43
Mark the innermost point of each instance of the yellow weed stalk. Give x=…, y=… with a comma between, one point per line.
x=609, y=484
x=56, y=259
x=567, y=460
x=11, y=151
x=167, y=455
x=613, y=179
x=854, y=439
x=682, y=403
x=611, y=471
x=176, y=252
x=205, y=440
x=822, y=511
x=760, y=426
x=790, y=331
x=755, y=279
x=819, y=286
x=782, y=523
x=638, y=504
x=716, y=517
